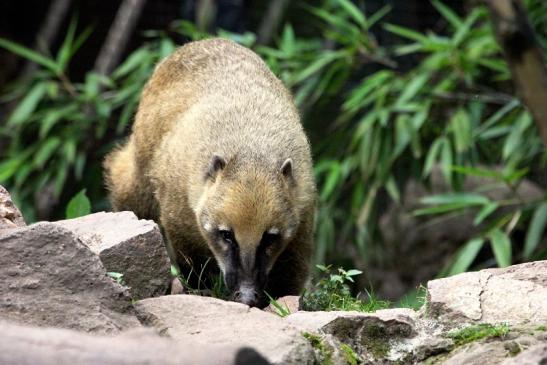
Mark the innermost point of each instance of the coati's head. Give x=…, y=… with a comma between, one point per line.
x=248, y=216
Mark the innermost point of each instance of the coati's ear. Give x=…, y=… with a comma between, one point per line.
x=286, y=168
x=217, y=163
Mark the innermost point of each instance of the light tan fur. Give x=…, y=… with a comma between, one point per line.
x=209, y=98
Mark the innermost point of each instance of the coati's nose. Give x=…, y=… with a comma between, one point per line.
x=246, y=296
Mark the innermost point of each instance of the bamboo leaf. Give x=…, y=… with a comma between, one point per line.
x=535, y=230
x=465, y=256
x=486, y=210
x=501, y=245
x=29, y=54
x=448, y=14
x=374, y=18
x=432, y=156
x=28, y=105
x=65, y=51
x=469, y=199
x=515, y=138
x=406, y=33
x=45, y=151
x=443, y=208
x=461, y=128
x=354, y=12
x=446, y=161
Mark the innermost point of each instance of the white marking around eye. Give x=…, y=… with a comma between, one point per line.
x=207, y=226
x=273, y=230
x=223, y=227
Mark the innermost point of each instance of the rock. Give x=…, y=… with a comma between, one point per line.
x=46, y=346
x=514, y=295
x=290, y=303
x=127, y=245
x=535, y=355
x=176, y=287
x=10, y=216
x=372, y=337
x=215, y=322
x=49, y=278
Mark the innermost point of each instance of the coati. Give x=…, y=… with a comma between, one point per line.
x=218, y=156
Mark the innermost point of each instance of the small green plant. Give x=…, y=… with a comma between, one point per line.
x=207, y=284
x=78, y=206
x=332, y=292
x=414, y=299
x=478, y=332
x=324, y=351
x=116, y=276
x=281, y=310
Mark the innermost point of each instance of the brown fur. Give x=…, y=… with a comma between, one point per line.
x=216, y=97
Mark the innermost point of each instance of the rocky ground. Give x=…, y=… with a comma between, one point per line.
x=59, y=305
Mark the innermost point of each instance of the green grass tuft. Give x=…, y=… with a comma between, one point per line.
x=281, y=310
x=208, y=284
x=332, y=293
x=478, y=332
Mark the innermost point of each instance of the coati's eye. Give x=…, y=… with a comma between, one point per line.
x=269, y=239
x=227, y=236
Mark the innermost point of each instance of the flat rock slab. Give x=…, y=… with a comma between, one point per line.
x=127, y=245
x=215, y=322
x=24, y=345
x=384, y=335
x=10, y=216
x=516, y=295
x=48, y=277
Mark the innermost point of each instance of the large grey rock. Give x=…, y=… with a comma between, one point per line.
x=516, y=295
x=20, y=345
x=215, y=322
x=10, y=216
x=390, y=335
x=535, y=355
x=49, y=278
x=127, y=245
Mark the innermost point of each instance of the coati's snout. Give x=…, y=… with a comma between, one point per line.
x=245, y=271
x=246, y=263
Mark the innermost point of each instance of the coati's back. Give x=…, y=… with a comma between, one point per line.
x=218, y=147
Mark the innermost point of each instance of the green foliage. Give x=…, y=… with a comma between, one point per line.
x=116, y=276
x=392, y=127
x=281, y=310
x=78, y=206
x=414, y=299
x=478, y=332
x=209, y=283
x=60, y=130
x=332, y=292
